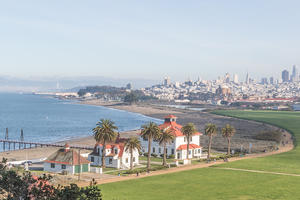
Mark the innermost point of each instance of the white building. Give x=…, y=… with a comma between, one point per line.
x=116, y=156
x=66, y=159
x=178, y=147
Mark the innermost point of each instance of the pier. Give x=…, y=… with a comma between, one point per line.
x=9, y=145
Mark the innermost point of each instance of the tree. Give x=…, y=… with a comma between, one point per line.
x=105, y=132
x=210, y=131
x=165, y=137
x=188, y=131
x=131, y=98
x=228, y=131
x=150, y=132
x=16, y=186
x=132, y=144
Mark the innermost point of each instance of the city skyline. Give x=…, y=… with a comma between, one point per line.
x=148, y=39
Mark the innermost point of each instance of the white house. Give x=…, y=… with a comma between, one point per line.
x=178, y=147
x=66, y=159
x=116, y=156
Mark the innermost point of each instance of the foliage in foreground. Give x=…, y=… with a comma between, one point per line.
x=14, y=186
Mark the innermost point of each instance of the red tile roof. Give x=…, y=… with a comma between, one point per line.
x=170, y=116
x=120, y=144
x=174, y=128
x=191, y=146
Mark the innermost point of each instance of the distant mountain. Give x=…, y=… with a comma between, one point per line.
x=50, y=84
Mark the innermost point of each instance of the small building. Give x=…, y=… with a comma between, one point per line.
x=178, y=148
x=116, y=156
x=66, y=159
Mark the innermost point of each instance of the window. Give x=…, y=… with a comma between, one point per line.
x=191, y=139
x=52, y=165
x=126, y=160
x=198, y=150
x=190, y=152
x=166, y=150
x=63, y=166
x=116, y=151
x=184, y=139
x=159, y=150
x=133, y=159
x=92, y=159
x=172, y=151
x=178, y=155
x=153, y=150
x=110, y=161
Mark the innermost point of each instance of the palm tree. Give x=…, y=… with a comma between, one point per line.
x=188, y=130
x=228, y=131
x=105, y=133
x=150, y=132
x=132, y=144
x=210, y=131
x=165, y=137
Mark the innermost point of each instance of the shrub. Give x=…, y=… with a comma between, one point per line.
x=154, y=155
x=171, y=156
x=146, y=154
x=269, y=135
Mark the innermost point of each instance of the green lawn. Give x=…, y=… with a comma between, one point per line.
x=206, y=184
x=216, y=183
x=288, y=162
x=157, y=159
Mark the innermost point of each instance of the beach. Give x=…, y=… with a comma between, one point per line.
x=244, y=136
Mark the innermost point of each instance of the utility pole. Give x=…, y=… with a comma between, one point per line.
x=22, y=136
x=6, y=134
x=79, y=165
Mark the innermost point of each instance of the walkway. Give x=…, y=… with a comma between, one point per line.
x=257, y=171
x=189, y=167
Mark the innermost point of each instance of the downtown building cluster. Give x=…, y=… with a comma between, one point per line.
x=228, y=89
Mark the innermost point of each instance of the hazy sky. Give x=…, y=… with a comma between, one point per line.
x=149, y=39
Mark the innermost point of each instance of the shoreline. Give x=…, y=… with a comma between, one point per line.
x=246, y=129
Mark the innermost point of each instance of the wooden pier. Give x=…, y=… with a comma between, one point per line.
x=12, y=144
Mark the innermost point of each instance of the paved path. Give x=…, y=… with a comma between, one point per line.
x=188, y=167
x=257, y=171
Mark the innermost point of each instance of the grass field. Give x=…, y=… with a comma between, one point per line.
x=216, y=183
x=288, y=162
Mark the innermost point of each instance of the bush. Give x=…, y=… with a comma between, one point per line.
x=269, y=135
x=146, y=154
x=154, y=155
x=171, y=156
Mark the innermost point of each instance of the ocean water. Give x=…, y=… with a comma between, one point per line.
x=48, y=120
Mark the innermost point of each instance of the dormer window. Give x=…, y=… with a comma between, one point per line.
x=170, y=118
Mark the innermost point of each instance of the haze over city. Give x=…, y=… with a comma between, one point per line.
x=149, y=40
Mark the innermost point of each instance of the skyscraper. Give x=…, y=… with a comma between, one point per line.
x=236, y=79
x=264, y=81
x=247, y=78
x=227, y=78
x=295, y=75
x=167, y=81
x=271, y=80
x=285, y=76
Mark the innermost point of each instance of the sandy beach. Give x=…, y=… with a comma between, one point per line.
x=244, y=136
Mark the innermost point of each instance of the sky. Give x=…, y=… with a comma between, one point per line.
x=149, y=39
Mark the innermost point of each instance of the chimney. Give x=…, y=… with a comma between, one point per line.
x=67, y=147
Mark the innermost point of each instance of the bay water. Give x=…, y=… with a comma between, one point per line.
x=49, y=120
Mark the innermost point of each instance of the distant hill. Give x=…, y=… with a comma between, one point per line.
x=50, y=84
